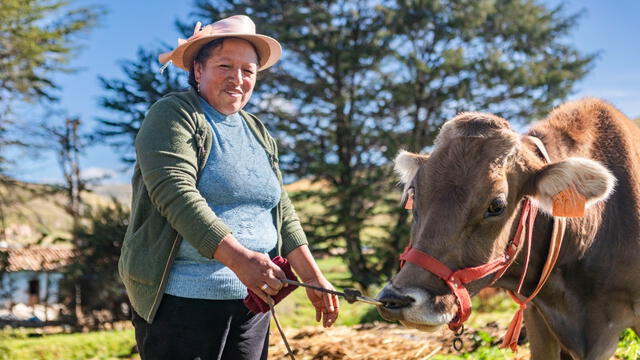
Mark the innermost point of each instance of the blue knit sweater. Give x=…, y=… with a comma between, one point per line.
x=241, y=188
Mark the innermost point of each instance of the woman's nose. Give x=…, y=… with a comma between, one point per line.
x=236, y=76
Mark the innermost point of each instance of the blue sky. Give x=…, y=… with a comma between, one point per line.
x=608, y=27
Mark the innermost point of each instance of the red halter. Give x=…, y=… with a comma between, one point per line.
x=456, y=280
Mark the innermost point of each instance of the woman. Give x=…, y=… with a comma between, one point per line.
x=207, y=173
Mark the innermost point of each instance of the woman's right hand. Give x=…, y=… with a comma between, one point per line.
x=254, y=269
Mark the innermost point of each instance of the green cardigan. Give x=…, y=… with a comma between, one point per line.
x=172, y=147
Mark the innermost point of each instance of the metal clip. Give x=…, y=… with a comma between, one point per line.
x=458, y=343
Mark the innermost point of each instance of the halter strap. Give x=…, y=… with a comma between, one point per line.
x=510, y=339
x=456, y=280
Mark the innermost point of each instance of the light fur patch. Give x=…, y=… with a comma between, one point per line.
x=406, y=165
x=588, y=177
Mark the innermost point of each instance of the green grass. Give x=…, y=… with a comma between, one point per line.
x=101, y=345
x=628, y=346
x=499, y=308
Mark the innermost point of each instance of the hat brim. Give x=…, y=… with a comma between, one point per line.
x=269, y=50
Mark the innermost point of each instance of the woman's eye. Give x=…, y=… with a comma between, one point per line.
x=496, y=208
x=225, y=66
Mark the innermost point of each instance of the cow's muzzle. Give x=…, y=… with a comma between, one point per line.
x=393, y=300
x=413, y=307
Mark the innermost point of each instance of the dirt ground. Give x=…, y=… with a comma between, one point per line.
x=378, y=341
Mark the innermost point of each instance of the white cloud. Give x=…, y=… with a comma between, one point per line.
x=97, y=173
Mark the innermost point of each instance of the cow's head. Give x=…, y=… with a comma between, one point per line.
x=466, y=196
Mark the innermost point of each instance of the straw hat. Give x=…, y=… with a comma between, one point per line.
x=238, y=26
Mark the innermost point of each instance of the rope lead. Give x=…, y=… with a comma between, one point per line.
x=275, y=318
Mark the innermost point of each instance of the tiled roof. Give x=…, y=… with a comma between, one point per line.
x=37, y=258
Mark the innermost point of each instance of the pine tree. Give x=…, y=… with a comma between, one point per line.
x=94, y=273
x=361, y=79
x=130, y=98
x=37, y=39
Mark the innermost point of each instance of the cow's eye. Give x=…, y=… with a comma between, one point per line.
x=496, y=207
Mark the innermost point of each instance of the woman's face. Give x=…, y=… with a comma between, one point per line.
x=228, y=76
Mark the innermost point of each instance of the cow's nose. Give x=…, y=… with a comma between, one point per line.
x=392, y=300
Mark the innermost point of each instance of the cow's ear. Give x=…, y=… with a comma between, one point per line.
x=407, y=164
x=568, y=186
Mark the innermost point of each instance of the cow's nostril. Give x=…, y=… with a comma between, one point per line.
x=396, y=302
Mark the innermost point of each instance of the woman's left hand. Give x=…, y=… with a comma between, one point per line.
x=327, y=305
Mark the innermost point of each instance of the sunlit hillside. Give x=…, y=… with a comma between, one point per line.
x=31, y=213
x=35, y=213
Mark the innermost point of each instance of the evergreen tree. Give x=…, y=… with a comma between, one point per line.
x=321, y=102
x=37, y=39
x=131, y=98
x=360, y=79
x=505, y=57
x=94, y=272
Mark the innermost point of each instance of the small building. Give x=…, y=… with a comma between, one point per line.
x=30, y=275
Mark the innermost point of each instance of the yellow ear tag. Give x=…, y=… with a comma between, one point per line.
x=409, y=204
x=569, y=203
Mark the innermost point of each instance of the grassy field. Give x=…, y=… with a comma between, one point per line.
x=18, y=345
x=294, y=312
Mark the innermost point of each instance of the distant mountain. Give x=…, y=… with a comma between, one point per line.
x=36, y=213
x=122, y=192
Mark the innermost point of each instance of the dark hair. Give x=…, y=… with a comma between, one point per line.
x=205, y=52
x=201, y=57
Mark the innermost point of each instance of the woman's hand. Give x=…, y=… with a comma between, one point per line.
x=255, y=270
x=327, y=305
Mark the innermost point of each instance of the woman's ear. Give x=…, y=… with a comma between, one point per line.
x=567, y=187
x=197, y=71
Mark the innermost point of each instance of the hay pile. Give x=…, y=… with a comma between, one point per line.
x=380, y=341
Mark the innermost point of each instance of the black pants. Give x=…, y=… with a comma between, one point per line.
x=202, y=329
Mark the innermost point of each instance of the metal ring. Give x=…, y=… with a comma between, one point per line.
x=458, y=344
x=264, y=287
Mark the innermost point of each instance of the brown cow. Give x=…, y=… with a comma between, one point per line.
x=468, y=193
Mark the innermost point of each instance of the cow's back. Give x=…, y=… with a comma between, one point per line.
x=595, y=129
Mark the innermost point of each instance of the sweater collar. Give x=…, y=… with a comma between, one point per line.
x=216, y=116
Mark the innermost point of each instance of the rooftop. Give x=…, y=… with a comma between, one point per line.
x=36, y=258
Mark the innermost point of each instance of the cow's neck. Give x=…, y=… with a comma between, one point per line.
x=578, y=237
x=556, y=301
